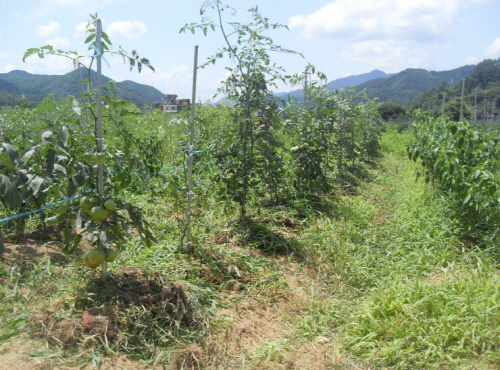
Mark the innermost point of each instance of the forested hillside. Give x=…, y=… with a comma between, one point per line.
x=17, y=84
x=481, y=90
x=339, y=83
x=406, y=85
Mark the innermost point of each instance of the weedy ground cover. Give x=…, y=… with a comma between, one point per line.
x=381, y=279
x=421, y=296
x=311, y=244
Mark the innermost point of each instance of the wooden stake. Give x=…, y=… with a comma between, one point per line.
x=99, y=125
x=191, y=141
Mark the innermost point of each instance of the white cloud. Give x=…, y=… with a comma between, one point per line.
x=49, y=29
x=59, y=43
x=80, y=29
x=90, y=4
x=126, y=30
x=35, y=15
x=8, y=68
x=363, y=20
x=471, y=60
x=50, y=65
x=168, y=81
x=493, y=50
x=387, y=55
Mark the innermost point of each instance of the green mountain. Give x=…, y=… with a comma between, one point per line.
x=481, y=93
x=339, y=83
x=405, y=86
x=16, y=84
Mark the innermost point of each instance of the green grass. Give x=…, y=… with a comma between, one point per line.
x=417, y=296
x=395, y=285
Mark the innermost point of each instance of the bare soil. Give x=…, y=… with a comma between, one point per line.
x=236, y=339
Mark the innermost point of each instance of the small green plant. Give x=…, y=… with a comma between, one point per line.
x=463, y=162
x=248, y=91
x=78, y=160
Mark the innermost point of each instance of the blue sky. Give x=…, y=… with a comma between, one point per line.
x=339, y=37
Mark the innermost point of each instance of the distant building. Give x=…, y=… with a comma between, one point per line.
x=170, y=104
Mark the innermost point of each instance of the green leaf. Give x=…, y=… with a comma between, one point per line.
x=11, y=151
x=90, y=38
x=50, y=160
x=36, y=184
x=105, y=37
x=72, y=186
x=30, y=52
x=66, y=239
x=64, y=136
x=129, y=113
x=6, y=336
x=57, y=219
x=78, y=219
x=8, y=192
x=59, y=168
x=74, y=245
x=46, y=137
x=27, y=156
x=103, y=237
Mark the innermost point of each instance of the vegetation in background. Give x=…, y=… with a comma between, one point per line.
x=481, y=90
x=343, y=253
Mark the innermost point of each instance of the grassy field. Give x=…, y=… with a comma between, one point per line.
x=373, y=276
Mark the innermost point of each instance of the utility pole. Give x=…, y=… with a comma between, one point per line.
x=433, y=109
x=492, y=108
x=484, y=108
x=475, y=104
x=444, y=99
x=462, y=99
x=305, y=89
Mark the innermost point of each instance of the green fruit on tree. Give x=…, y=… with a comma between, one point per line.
x=89, y=158
x=109, y=204
x=96, y=256
x=298, y=170
x=100, y=158
x=98, y=213
x=88, y=263
x=111, y=255
x=304, y=146
x=294, y=149
x=86, y=203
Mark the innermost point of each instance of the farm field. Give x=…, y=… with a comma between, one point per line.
x=378, y=276
x=262, y=234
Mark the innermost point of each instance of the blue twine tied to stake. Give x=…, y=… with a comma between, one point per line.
x=79, y=195
x=38, y=210
x=99, y=54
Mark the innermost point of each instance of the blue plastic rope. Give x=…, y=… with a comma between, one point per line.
x=99, y=54
x=37, y=210
x=175, y=168
x=193, y=152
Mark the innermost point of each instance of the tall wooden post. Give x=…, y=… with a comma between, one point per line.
x=191, y=143
x=99, y=124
